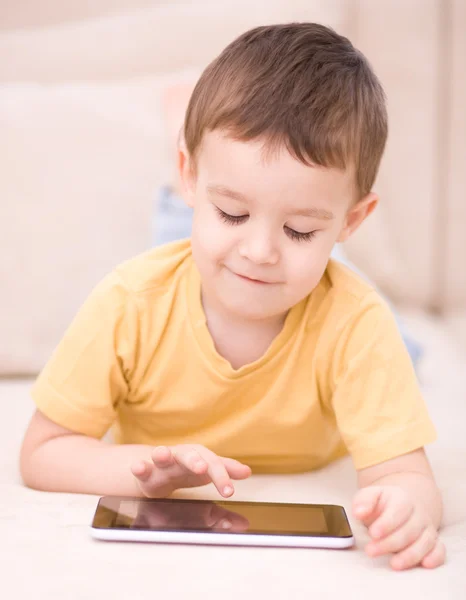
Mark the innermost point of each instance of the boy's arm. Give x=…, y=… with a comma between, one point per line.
x=56, y=459
x=401, y=505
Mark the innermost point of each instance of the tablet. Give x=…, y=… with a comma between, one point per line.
x=221, y=522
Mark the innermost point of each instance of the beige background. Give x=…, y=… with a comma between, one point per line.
x=84, y=145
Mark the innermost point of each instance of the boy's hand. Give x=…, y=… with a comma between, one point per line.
x=186, y=465
x=398, y=526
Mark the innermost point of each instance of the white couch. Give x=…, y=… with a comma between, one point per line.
x=84, y=147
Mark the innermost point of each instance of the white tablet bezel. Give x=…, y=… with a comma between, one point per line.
x=214, y=538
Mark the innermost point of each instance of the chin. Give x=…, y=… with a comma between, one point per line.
x=250, y=310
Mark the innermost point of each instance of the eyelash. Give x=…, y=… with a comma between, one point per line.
x=294, y=235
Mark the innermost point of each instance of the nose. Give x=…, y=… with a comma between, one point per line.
x=259, y=248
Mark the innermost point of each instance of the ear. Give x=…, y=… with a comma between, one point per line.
x=186, y=173
x=357, y=214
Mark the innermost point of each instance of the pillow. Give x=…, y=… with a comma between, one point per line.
x=79, y=163
x=172, y=220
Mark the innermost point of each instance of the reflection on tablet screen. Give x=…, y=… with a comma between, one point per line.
x=232, y=517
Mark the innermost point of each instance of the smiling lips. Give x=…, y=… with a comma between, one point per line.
x=252, y=280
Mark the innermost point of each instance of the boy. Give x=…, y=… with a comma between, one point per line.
x=245, y=347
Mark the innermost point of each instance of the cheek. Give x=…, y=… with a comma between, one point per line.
x=209, y=237
x=307, y=262
x=305, y=269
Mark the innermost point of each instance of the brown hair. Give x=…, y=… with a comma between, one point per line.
x=297, y=84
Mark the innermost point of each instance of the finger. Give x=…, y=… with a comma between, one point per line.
x=236, y=470
x=218, y=473
x=399, y=539
x=366, y=504
x=190, y=458
x=414, y=554
x=436, y=557
x=237, y=521
x=235, y=524
x=224, y=524
x=229, y=520
x=162, y=457
x=395, y=514
x=142, y=470
x=210, y=517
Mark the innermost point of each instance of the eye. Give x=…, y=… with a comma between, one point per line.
x=238, y=219
x=231, y=219
x=300, y=237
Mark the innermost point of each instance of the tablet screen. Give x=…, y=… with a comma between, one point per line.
x=222, y=516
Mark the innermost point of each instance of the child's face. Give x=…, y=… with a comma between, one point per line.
x=264, y=248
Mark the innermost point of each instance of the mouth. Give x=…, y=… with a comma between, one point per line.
x=253, y=280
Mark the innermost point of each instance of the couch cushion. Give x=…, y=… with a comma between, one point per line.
x=160, y=38
x=30, y=14
x=452, y=210
x=399, y=244
x=81, y=163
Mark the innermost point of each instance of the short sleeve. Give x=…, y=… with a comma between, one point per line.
x=378, y=405
x=87, y=375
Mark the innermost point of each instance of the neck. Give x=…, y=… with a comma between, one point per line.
x=215, y=313
x=240, y=341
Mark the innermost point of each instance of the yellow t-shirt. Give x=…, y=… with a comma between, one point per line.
x=139, y=356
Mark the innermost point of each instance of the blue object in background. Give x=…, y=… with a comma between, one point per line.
x=172, y=220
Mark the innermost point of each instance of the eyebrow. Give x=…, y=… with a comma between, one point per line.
x=317, y=213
